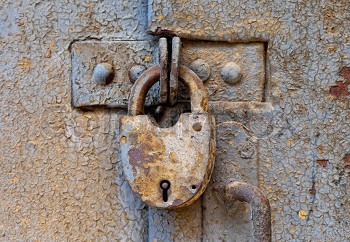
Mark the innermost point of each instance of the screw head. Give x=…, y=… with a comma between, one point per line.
x=135, y=72
x=201, y=68
x=231, y=73
x=103, y=73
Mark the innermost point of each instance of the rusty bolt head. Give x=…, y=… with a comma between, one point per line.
x=103, y=73
x=201, y=68
x=231, y=73
x=135, y=72
x=197, y=127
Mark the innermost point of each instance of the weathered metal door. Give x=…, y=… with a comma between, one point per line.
x=284, y=126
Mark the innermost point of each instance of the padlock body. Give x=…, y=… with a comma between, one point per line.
x=182, y=154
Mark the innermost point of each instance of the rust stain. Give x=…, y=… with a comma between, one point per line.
x=24, y=64
x=341, y=89
x=149, y=148
x=312, y=191
x=289, y=142
x=154, y=155
x=177, y=202
x=346, y=159
x=138, y=93
x=157, y=154
x=302, y=214
x=322, y=163
x=320, y=149
x=147, y=58
x=138, y=158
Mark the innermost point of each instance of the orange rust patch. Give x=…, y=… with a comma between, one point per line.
x=148, y=149
x=155, y=154
x=322, y=163
x=346, y=159
x=341, y=89
x=320, y=149
x=312, y=191
x=123, y=139
x=24, y=64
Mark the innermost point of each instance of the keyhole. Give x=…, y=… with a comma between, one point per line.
x=165, y=185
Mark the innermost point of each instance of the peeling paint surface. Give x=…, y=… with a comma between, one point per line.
x=61, y=177
x=307, y=58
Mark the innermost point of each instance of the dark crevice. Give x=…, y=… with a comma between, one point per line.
x=267, y=72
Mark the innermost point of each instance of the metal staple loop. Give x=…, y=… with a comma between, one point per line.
x=174, y=72
x=168, y=81
x=260, y=207
x=163, y=63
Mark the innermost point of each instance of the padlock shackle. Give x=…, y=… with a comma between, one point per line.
x=199, y=100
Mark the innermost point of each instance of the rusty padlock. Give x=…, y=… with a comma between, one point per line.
x=168, y=167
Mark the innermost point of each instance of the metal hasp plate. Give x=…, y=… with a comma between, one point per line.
x=122, y=55
x=182, y=156
x=250, y=57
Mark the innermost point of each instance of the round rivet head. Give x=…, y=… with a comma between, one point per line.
x=201, y=68
x=103, y=73
x=197, y=127
x=135, y=72
x=231, y=73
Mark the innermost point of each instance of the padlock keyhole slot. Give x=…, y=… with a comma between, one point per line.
x=165, y=186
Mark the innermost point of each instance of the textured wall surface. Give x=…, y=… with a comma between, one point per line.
x=60, y=176
x=304, y=145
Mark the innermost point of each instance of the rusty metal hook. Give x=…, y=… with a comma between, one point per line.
x=260, y=207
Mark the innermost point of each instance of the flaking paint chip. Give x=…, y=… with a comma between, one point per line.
x=302, y=214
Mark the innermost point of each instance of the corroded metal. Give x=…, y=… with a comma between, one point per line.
x=201, y=68
x=168, y=167
x=260, y=206
x=174, y=70
x=60, y=176
x=199, y=100
x=122, y=56
x=231, y=72
x=163, y=63
x=135, y=72
x=103, y=73
x=125, y=55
